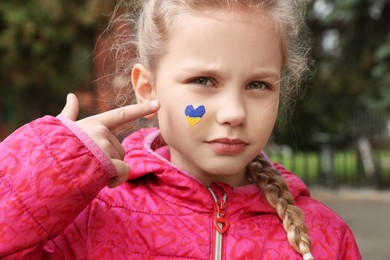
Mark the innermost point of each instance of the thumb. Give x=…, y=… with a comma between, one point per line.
x=71, y=109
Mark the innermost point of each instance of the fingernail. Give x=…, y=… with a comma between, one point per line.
x=154, y=104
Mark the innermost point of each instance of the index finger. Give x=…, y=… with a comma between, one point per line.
x=123, y=115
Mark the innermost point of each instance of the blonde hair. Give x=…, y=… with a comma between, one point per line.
x=146, y=37
x=277, y=194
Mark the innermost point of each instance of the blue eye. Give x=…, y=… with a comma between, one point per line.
x=204, y=81
x=258, y=85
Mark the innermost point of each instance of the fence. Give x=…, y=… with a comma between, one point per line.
x=366, y=162
x=335, y=167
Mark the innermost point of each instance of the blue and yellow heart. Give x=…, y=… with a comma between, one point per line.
x=193, y=115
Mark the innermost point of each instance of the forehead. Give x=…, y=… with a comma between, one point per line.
x=208, y=36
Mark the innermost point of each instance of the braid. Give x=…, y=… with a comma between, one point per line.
x=277, y=194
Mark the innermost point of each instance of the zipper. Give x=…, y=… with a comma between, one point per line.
x=221, y=225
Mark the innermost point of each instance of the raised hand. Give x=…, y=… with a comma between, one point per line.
x=99, y=127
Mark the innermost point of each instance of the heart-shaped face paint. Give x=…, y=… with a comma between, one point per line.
x=193, y=115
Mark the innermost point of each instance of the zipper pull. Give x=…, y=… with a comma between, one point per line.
x=220, y=223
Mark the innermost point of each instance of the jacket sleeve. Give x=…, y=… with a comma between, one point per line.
x=348, y=248
x=50, y=171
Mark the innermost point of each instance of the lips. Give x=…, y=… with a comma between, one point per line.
x=227, y=145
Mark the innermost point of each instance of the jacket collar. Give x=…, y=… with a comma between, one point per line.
x=149, y=157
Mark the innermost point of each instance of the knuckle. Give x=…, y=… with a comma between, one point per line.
x=123, y=170
x=101, y=130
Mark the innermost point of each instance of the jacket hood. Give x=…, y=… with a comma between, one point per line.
x=147, y=156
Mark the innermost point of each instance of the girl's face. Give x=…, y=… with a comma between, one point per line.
x=229, y=63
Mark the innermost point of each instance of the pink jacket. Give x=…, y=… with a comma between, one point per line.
x=54, y=205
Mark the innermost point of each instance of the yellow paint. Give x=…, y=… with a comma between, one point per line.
x=193, y=120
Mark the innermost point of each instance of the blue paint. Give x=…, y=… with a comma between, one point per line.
x=190, y=111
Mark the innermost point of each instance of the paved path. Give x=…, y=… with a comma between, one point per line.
x=367, y=212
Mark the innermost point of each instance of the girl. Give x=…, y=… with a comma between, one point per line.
x=199, y=187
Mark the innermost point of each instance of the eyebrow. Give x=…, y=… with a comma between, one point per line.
x=201, y=70
x=265, y=73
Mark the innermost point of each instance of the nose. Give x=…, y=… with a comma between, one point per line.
x=231, y=110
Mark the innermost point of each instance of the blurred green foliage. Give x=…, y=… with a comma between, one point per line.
x=46, y=49
x=351, y=74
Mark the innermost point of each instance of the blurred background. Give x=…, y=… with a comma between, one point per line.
x=337, y=140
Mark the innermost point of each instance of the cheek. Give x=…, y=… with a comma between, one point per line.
x=179, y=129
x=194, y=114
x=181, y=116
x=265, y=117
x=169, y=116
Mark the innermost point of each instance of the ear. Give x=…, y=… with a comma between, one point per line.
x=142, y=84
x=141, y=80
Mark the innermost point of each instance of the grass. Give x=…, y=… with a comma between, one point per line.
x=347, y=169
